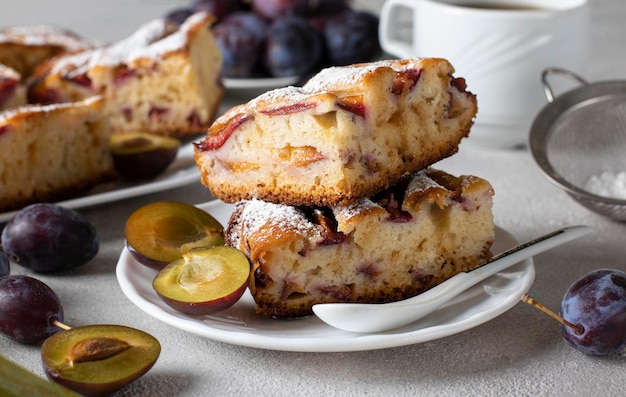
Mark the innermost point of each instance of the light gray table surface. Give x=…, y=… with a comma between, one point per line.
x=517, y=353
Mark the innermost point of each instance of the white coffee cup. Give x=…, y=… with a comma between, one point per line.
x=500, y=52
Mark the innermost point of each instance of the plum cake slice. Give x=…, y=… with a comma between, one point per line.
x=348, y=133
x=394, y=245
x=53, y=152
x=163, y=79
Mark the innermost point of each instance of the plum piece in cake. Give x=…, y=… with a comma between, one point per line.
x=12, y=92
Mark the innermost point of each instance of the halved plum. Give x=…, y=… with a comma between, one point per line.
x=139, y=155
x=96, y=360
x=204, y=281
x=160, y=232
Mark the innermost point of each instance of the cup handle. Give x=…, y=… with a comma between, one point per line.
x=389, y=13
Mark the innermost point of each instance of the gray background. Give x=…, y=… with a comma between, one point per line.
x=519, y=353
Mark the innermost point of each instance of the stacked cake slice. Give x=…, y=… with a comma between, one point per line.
x=335, y=197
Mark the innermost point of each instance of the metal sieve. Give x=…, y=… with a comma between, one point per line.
x=581, y=134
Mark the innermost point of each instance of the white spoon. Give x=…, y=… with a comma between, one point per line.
x=377, y=317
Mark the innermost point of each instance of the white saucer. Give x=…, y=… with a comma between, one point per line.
x=259, y=83
x=240, y=325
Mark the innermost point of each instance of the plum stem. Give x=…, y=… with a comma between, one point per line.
x=61, y=325
x=577, y=328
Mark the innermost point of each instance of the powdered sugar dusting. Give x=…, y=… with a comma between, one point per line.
x=114, y=53
x=151, y=41
x=328, y=80
x=420, y=183
x=289, y=94
x=344, y=74
x=343, y=213
x=171, y=42
x=146, y=35
x=7, y=115
x=331, y=77
x=257, y=214
x=8, y=73
x=351, y=75
x=41, y=35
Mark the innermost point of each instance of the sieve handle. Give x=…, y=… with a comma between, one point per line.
x=563, y=72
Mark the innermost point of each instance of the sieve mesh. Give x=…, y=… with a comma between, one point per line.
x=589, y=139
x=583, y=134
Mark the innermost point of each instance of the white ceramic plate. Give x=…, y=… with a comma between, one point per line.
x=240, y=325
x=182, y=171
x=259, y=83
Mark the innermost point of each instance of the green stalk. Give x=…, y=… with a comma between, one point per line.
x=16, y=381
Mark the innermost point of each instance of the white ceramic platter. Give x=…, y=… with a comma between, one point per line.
x=182, y=171
x=242, y=90
x=259, y=83
x=240, y=325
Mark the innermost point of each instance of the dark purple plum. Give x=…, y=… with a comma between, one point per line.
x=240, y=49
x=293, y=48
x=324, y=5
x=276, y=9
x=351, y=37
x=249, y=21
x=5, y=268
x=48, y=238
x=218, y=8
x=597, y=303
x=178, y=15
x=140, y=155
x=324, y=10
x=28, y=309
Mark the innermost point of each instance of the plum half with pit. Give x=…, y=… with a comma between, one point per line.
x=204, y=281
x=97, y=360
x=158, y=233
x=139, y=155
